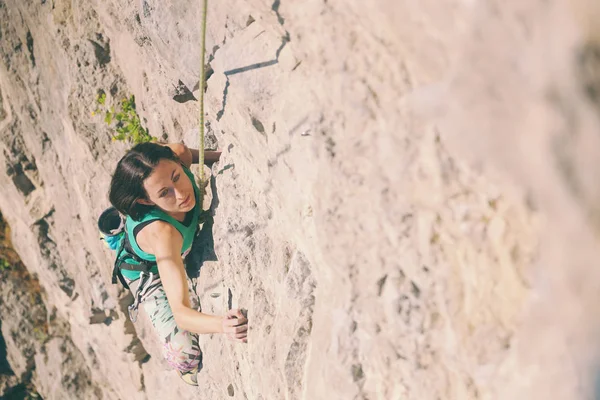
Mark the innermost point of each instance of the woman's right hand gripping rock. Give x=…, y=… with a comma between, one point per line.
x=235, y=326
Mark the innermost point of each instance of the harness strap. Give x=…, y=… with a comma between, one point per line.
x=116, y=268
x=144, y=267
x=145, y=283
x=121, y=262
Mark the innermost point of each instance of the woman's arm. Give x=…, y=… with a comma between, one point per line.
x=191, y=156
x=166, y=247
x=185, y=154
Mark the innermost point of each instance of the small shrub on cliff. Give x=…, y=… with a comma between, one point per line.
x=4, y=265
x=126, y=120
x=40, y=333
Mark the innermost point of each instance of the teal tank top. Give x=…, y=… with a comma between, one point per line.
x=187, y=231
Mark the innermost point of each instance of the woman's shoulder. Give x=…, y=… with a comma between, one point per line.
x=158, y=231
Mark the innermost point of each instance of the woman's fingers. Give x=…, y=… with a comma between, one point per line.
x=235, y=325
x=236, y=329
x=235, y=321
x=237, y=335
x=233, y=339
x=235, y=313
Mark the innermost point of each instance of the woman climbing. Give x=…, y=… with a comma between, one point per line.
x=153, y=187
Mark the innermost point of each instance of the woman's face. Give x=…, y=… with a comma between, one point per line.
x=169, y=188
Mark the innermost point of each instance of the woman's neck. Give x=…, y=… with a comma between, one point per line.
x=179, y=216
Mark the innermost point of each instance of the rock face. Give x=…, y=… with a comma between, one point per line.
x=406, y=205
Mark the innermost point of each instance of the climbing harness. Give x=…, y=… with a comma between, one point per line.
x=144, y=284
x=112, y=227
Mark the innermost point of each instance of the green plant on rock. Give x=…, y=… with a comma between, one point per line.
x=4, y=265
x=125, y=118
x=41, y=333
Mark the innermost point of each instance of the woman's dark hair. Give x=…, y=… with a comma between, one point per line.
x=127, y=184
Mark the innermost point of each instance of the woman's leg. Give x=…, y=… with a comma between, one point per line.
x=180, y=348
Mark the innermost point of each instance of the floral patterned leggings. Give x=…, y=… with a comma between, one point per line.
x=180, y=347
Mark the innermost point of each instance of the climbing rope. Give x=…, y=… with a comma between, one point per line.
x=202, y=74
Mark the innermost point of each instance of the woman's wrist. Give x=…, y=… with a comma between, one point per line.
x=195, y=155
x=221, y=328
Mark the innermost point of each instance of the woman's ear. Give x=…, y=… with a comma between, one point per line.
x=145, y=202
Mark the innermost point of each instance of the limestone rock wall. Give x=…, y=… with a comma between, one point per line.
x=405, y=203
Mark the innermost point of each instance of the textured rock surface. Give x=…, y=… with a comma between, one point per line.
x=406, y=202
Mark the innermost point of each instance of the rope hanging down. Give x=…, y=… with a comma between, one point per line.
x=202, y=79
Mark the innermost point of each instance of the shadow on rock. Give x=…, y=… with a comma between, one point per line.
x=203, y=248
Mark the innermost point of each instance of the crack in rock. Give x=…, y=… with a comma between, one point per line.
x=224, y=103
x=275, y=7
